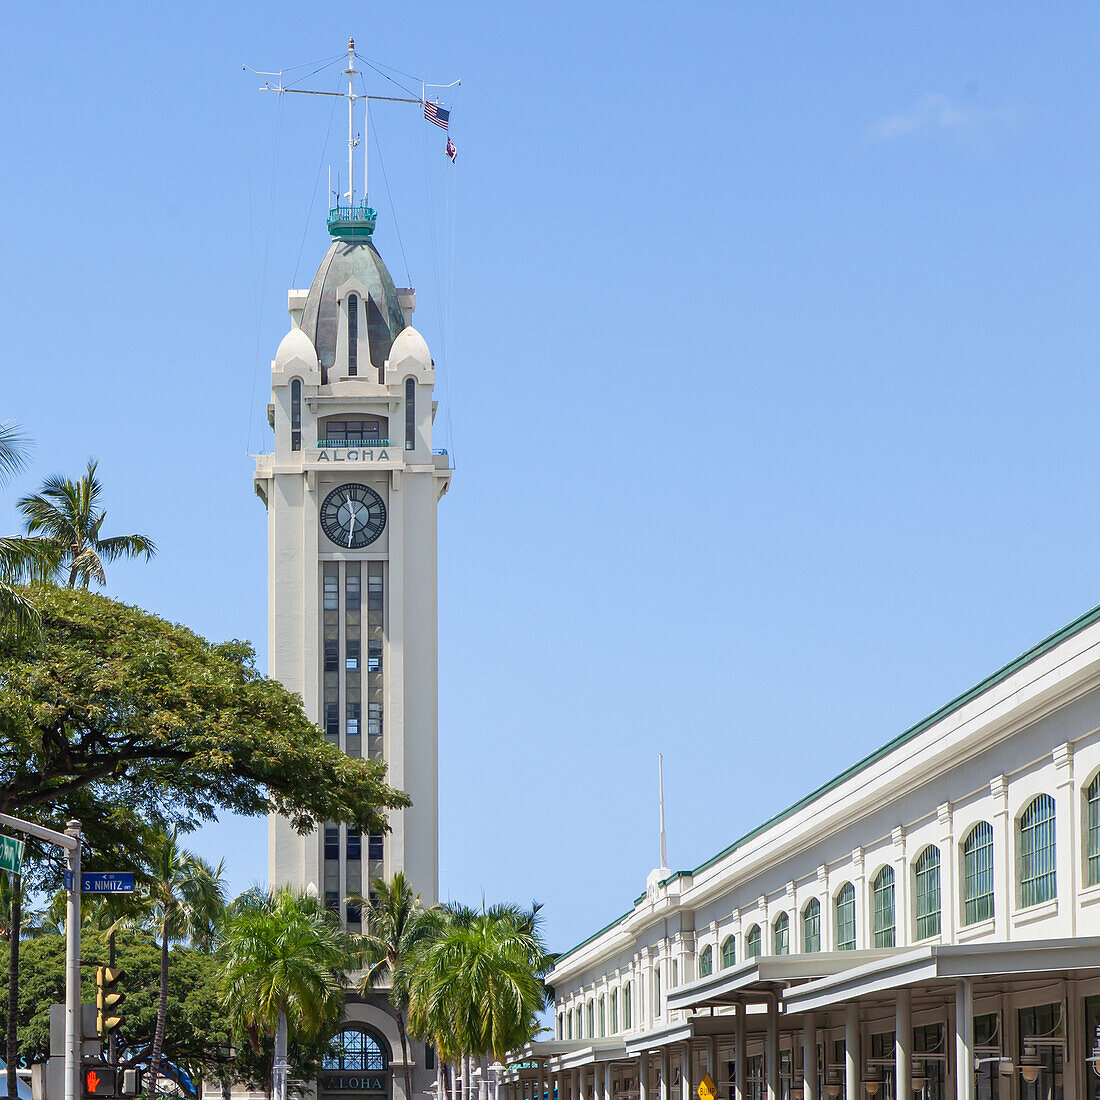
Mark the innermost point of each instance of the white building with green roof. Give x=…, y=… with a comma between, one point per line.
x=926, y=924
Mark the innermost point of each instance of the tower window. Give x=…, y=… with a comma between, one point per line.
x=374, y=719
x=374, y=846
x=351, y=591
x=374, y=592
x=332, y=842
x=353, y=334
x=351, y=655
x=374, y=656
x=353, y=720
x=331, y=658
x=296, y=415
x=410, y=414
x=332, y=590
x=332, y=722
x=355, y=845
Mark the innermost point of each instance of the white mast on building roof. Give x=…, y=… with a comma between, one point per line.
x=351, y=72
x=661, y=799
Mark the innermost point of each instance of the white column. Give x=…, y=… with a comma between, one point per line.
x=1003, y=862
x=903, y=1044
x=771, y=1050
x=599, y=1081
x=739, y=1092
x=949, y=900
x=863, y=924
x=712, y=1057
x=663, y=1084
x=809, y=1056
x=575, y=1085
x=852, y=1066
x=541, y=1094
x=685, y=1072
x=1067, y=841
x=903, y=919
x=964, y=1041
x=643, y=1076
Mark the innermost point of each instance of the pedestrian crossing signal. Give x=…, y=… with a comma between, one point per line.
x=99, y=1080
x=108, y=999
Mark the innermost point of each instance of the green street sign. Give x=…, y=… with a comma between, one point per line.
x=11, y=854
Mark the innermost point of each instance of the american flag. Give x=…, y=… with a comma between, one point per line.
x=439, y=115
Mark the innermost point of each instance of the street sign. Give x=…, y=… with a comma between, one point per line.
x=11, y=854
x=706, y=1089
x=103, y=882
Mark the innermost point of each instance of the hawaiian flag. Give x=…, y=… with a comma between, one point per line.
x=452, y=152
x=439, y=115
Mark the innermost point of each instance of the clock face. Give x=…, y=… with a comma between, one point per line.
x=353, y=516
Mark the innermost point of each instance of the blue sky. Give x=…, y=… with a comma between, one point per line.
x=769, y=356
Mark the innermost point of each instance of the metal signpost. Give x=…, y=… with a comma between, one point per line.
x=70, y=841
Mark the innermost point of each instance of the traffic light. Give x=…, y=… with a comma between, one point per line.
x=108, y=999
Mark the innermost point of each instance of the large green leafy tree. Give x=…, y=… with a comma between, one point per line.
x=69, y=516
x=122, y=708
x=197, y=1023
x=398, y=928
x=284, y=961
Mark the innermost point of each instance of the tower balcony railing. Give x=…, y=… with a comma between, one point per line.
x=352, y=221
x=331, y=443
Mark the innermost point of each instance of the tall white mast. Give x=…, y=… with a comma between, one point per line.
x=351, y=72
x=661, y=799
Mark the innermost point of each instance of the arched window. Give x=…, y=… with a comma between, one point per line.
x=811, y=926
x=614, y=1012
x=706, y=961
x=569, y=1020
x=1037, y=879
x=846, y=918
x=603, y=1016
x=355, y=1048
x=626, y=1007
x=978, y=874
x=1092, y=820
x=561, y=1025
x=296, y=415
x=781, y=935
x=729, y=952
x=591, y=1020
x=883, y=924
x=926, y=879
x=752, y=942
x=410, y=414
x=353, y=334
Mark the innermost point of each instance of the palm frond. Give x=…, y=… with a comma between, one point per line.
x=14, y=449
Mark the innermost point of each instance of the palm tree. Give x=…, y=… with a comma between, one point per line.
x=69, y=517
x=284, y=962
x=21, y=559
x=187, y=898
x=476, y=989
x=397, y=928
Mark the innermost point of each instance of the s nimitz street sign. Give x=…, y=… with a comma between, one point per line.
x=11, y=854
x=103, y=882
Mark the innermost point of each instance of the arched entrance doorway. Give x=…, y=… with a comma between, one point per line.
x=359, y=1066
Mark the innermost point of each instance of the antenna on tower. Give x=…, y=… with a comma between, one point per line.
x=353, y=212
x=661, y=800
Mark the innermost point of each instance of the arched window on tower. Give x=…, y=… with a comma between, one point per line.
x=353, y=334
x=296, y=415
x=355, y=1049
x=410, y=414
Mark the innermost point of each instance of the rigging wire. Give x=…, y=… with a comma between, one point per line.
x=313, y=195
x=395, y=83
x=261, y=289
x=389, y=195
x=392, y=68
x=299, y=79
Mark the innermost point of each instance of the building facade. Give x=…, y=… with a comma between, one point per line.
x=926, y=924
x=351, y=490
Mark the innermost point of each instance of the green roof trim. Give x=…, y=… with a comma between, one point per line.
x=1059, y=636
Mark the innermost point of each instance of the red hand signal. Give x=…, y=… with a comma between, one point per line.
x=93, y=1081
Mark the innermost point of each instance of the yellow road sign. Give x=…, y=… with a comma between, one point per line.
x=706, y=1089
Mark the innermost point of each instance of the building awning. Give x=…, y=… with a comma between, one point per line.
x=756, y=979
x=947, y=963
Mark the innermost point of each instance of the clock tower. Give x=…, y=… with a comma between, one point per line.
x=351, y=492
